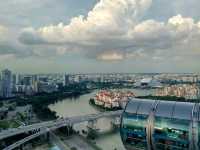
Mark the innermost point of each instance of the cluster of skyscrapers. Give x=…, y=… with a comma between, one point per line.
x=29, y=84
x=16, y=84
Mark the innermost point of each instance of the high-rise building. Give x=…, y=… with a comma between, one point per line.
x=14, y=82
x=66, y=80
x=0, y=86
x=6, y=83
x=14, y=79
x=27, y=80
x=35, y=83
x=19, y=79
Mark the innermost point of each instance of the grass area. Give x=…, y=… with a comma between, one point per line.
x=8, y=124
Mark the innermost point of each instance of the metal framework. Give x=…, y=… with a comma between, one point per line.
x=160, y=125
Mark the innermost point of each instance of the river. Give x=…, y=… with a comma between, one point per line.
x=80, y=106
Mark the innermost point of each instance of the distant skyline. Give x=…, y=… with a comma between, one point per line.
x=78, y=36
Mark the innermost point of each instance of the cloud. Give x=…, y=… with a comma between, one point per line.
x=111, y=56
x=3, y=33
x=115, y=30
x=5, y=47
x=9, y=48
x=6, y=57
x=109, y=18
x=2, y=28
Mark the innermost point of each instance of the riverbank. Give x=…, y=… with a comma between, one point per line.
x=41, y=102
x=81, y=106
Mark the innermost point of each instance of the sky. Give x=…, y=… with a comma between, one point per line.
x=91, y=36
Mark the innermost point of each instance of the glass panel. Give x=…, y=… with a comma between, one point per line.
x=132, y=106
x=165, y=109
x=133, y=131
x=199, y=135
x=183, y=110
x=171, y=134
x=145, y=107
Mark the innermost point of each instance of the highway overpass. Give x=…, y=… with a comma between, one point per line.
x=44, y=127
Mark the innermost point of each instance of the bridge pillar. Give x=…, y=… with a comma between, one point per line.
x=92, y=124
x=21, y=147
x=115, y=123
x=47, y=136
x=92, y=129
x=68, y=130
x=44, y=137
x=27, y=146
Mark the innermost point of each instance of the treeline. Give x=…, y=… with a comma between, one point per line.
x=170, y=98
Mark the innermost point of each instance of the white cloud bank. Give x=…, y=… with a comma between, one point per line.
x=114, y=30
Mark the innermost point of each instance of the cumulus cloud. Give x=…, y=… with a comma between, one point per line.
x=115, y=29
x=108, y=19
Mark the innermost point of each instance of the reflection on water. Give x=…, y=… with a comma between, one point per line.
x=81, y=106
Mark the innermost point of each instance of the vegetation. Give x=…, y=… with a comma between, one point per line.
x=4, y=124
x=21, y=116
x=92, y=134
x=41, y=101
x=169, y=98
x=1, y=104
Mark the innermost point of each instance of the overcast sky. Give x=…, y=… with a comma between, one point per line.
x=79, y=36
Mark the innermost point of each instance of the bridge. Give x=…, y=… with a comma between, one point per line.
x=45, y=127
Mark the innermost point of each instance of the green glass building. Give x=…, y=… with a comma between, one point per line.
x=160, y=125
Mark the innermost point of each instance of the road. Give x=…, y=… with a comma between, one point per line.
x=42, y=128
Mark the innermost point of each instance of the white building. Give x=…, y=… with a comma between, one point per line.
x=148, y=83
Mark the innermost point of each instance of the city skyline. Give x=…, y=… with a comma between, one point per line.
x=136, y=36
x=30, y=84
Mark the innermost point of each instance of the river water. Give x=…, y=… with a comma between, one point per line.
x=80, y=106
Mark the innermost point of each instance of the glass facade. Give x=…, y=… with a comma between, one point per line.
x=171, y=134
x=198, y=141
x=134, y=130
x=162, y=125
